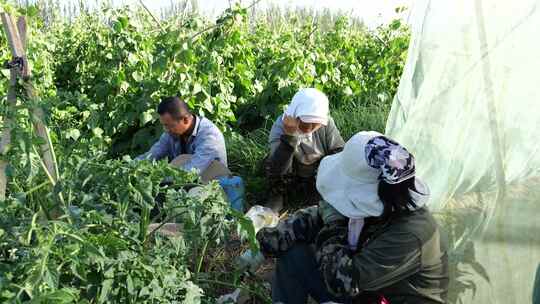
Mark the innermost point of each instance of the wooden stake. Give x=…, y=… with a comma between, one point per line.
x=21, y=27
x=6, y=132
x=41, y=129
x=16, y=36
x=12, y=34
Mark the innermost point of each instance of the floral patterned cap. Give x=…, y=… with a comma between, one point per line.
x=394, y=161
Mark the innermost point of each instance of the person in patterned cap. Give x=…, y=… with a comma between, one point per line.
x=371, y=239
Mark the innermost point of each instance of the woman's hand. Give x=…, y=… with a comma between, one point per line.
x=290, y=125
x=276, y=240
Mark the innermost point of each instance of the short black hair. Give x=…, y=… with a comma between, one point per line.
x=173, y=105
x=396, y=198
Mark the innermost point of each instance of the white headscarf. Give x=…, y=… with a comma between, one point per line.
x=310, y=105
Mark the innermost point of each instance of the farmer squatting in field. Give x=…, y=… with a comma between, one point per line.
x=189, y=141
x=299, y=139
x=370, y=240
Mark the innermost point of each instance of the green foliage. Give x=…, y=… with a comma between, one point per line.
x=114, y=65
x=101, y=250
x=246, y=154
x=352, y=119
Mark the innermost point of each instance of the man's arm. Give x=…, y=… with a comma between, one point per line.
x=159, y=150
x=282, y=148
x=381, y=263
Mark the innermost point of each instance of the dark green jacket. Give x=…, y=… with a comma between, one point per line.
x=402, y=258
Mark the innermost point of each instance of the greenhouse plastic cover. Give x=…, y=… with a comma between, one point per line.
x=468, y=107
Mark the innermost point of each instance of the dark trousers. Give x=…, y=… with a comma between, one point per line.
x=297, y=276
x=293, y=189
x=292, y=186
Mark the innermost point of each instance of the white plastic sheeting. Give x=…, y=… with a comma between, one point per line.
x=468, y=107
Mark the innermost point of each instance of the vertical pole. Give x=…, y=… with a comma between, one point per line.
x=6, y=132
x=17, y=41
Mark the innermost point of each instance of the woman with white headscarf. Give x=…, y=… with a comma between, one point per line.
x=299, y=139
x=371, y=240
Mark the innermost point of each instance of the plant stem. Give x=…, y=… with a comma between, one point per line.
x=53, y=156
x=44, y=166
x=203, y=31
x=201, y=257
x=37, y=187
x=151, y=15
